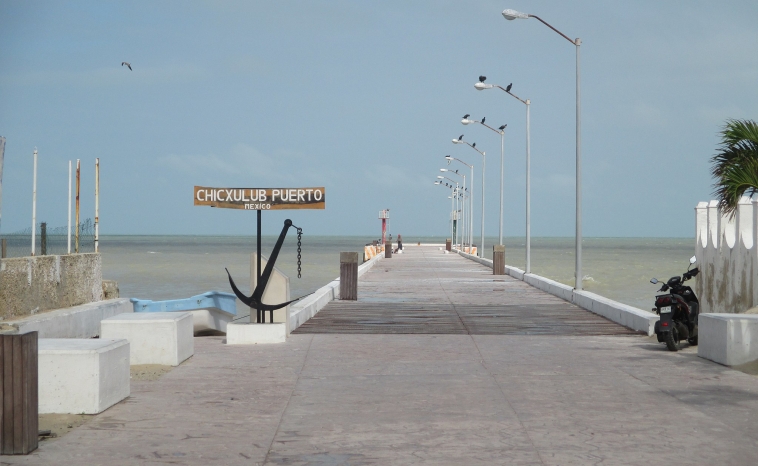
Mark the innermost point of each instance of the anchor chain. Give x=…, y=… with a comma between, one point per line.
x=299, y=249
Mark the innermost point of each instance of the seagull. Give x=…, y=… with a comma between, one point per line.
x=482, y=79
x=508, y=87
x=502, y=127
x=466, y=116
x=483, y=118
x=128, y=65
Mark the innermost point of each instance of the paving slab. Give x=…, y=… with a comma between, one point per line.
x=428, y=399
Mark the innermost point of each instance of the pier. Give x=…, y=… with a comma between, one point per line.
x=438, y=362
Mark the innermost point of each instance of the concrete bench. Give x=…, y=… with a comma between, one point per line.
x=82, y=376
x=252, y=334
x=729, y=339
x=154, y=337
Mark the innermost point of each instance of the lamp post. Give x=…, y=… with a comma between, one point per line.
x=511, y=15
x=463, y=209
x=480, y=86
x=460, y=140
x=453, y=208
x=471, y=194
x=501, y=132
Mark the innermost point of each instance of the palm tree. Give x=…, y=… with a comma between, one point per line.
x=735, y=165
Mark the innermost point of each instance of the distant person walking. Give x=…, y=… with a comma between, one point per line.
x=399, y=242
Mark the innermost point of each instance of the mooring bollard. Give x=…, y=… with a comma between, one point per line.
x=448, y=244
x=388, y=249
x=19, y=402
x=498, y=260
x=43, y=238
x=349, y=276
x=4, y=248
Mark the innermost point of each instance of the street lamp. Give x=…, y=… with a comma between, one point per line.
x=471, y=195
x=460, y=140
x=501, y=132
x=480, y=86
x=453, y=207
x=463, y=205
x=511, y=15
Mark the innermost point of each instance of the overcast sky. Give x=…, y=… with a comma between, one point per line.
x=364, y=99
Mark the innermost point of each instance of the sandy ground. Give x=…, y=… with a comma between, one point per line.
x=61, y=424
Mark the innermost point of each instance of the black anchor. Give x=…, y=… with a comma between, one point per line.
x=255, y=301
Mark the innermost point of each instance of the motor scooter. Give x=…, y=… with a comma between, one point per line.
x=678, y=309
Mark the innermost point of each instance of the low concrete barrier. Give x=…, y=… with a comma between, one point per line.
x=74, y=322
x=729, y=339
x=308, y=307
x=35, y=284
x=628, y=316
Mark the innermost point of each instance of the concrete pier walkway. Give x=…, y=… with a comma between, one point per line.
x=435, y=364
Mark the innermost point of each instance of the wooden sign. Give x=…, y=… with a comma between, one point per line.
x=261, y=198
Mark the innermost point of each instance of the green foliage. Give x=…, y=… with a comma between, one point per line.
x=735, y=165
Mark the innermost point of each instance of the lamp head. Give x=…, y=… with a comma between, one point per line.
x=440, y=177
x=459, y=140
x=449, y=159
x=510, y=15
x=466, y=121
x=480, y=86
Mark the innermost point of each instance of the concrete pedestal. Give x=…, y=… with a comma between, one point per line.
x=729, y=339
x=154, y=337
x=250, y=334
x=82, y=376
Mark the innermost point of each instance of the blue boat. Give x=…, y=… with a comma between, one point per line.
x=211, y=311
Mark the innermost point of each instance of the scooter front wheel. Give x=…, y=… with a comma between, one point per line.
x=672, y=339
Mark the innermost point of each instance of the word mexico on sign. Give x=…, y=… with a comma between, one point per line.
x=261, y=198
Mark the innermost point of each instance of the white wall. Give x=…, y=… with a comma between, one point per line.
x=726, y=256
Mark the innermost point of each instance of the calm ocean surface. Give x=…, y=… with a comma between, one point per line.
x=166, y=267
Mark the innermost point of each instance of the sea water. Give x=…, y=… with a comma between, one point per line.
x=170, y=267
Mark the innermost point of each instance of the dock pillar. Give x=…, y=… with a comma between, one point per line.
x=448, y=244
x=388, y=249
x=349, y=276
x=498, y=260
x=19, y=402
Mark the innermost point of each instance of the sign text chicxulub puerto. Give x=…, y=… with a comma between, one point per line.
x=261, y=198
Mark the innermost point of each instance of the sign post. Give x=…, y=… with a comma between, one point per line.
x=260, y=199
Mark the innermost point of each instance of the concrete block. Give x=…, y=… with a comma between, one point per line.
x=553, y=287
x=81, y=321
x=250, y=334
x=154, y=337
x=729, y=339
x=514, y=272
x=82, y=376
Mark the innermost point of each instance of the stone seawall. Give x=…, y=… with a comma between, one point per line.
x=33, y=284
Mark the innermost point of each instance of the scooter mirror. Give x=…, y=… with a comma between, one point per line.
x=654, y=281
x=693, y=259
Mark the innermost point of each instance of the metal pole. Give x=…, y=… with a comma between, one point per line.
x=258, y=265
x=97, y=202
x=502, y=163
x=481, y=246
x=68, y=249
x=463, y=214
x=78, y=179
x=34, y=204
x=2, y=157
x=528, y=193
x=471, y=204
x=578, y=271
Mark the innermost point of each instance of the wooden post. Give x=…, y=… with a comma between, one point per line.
x=19, y=404
x=349, y=276
x=43, y=238
x=448, y=244
x=4, y=247
x=498, y=260
x=388, y=249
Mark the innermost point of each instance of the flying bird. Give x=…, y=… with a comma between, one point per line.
x=482, y=79
x=508, y=87
x=483, y=118
x=502, y=127
x=466, y=116
x=128, y=65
